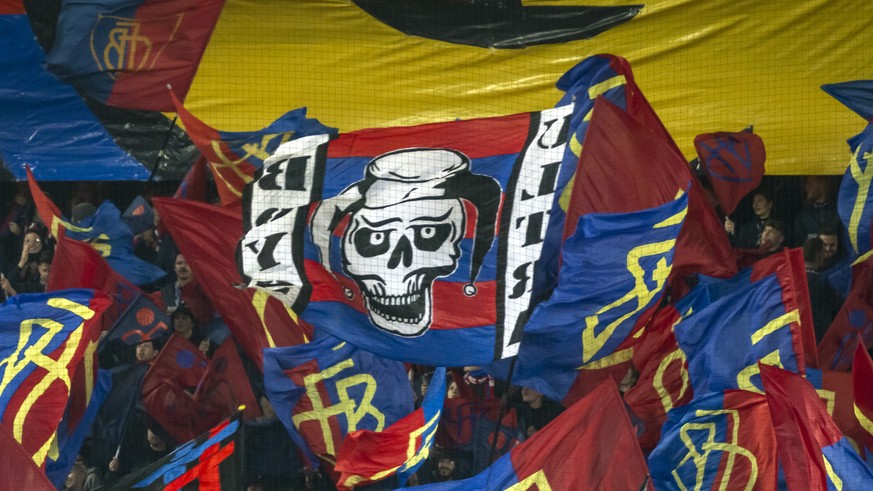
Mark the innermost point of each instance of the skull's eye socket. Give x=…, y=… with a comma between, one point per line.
x=370, y=243
x=431, y=237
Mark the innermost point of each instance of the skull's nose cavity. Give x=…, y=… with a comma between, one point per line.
x=402, y=252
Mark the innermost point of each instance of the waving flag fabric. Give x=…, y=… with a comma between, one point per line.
x=43, y=338
x=425, y=240
x=591, y=445
x=235, y=156
x=110, y=425
x=838, y=395
x=326, y=389
x=629, y=162
x=367, y=456
x=854, y=320
x=142, y=321
x=856, y=95
x=613, y=274
x=71, y=434
x=256, y=320
x=719, y=441
x=734, y=163
x=812, y=450
x=211, y=461
x=193, y=186
x=18, y=468
x=125, y=52
x=44, y=122
x=862, y=374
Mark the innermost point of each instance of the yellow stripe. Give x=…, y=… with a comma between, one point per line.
x=610, y=360
x=774, y=325
x=597, y=89
x=862, y=178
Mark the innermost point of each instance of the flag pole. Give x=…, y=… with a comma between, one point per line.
x=163, y=148
x=504, y=404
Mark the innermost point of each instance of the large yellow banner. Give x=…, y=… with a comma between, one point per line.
x=714, y=65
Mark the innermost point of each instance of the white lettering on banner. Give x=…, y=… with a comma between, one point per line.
x=529, y=199
x=277, y=208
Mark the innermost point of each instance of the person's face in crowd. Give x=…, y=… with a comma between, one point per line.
x=446, y=467
x=183, y=272
x=452, y=390
x=146, y=352
x=816, y=189
x=183, y=324
x=761, y=206
x=772, y=238
x=76, y=477
x=530, y=395
x=44, y=270
x=155, y=441
x=33, y=243
x=830, y=245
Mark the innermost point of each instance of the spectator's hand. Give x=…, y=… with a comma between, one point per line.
x=204, y=346
x=6, y=286
x=113, y=464
x=14, y=228
x=729, y=225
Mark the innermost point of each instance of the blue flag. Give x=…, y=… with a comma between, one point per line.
x=613, y=272
x=111, y=422
x=323, y=390
x=857, y=95
x=107, y=233
x=724, y=341
x=142, y=321
x=855, y=202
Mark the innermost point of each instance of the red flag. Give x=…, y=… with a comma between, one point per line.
x=663, y=381
x=862, y=375
x=854, y=319
x=627, y=165
x=734, y=163
x=225, y=386
x=207, y=236
x=803, y=427
x=193, y=186
x=45, y=207
x=18, y=469
x=168, y=390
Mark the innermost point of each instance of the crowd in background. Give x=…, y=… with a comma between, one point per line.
x=783, y=212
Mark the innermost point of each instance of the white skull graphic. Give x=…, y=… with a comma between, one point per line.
x=395, y=252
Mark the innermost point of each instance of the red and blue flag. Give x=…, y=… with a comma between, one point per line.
x=43, y=340
x=124, y=53
x=718, y=441
x=734, y=164
x=854, y=321
x=142, y=321
x=591, y=445
x=367, y=456
x=326, y=389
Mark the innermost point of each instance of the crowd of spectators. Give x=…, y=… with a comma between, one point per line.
x=769, y=219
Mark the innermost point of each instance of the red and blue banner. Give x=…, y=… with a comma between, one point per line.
x=862, y=374
x=812, y=450
x=734, y=164
x=235, y=156
x=43, y=340
x=142, y=321
x=18, y=468
x=718, y=441
x=368, y=456
x=125, y=52
x=326, y=389
x=724, y=340
x=211, y=461
x=854, y=321
x=591, y=445
x=44, y=122
x=614, y=268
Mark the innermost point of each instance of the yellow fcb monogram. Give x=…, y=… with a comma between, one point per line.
x=699, y=452
x=121, y=44
x=352, y=410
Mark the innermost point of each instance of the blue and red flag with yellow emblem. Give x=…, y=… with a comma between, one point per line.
x=234, y=157
x=142, y=321
x=125, y=52
x=614, y=269
x=368, y=456
x=862, y=374
x=853, y=322
x=812, y=450
x=724, y=340
x=591, y=445
x=718, y=441
x=212, y=461
x=326, y=389
x=43, y=340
